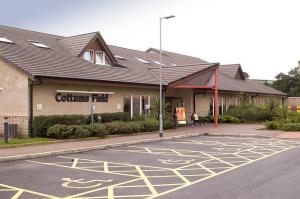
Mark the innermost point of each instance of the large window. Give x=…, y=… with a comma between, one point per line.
x=137, y=105
x=101, y=58
x=89, y=56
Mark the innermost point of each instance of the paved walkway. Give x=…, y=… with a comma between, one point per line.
x=228, y=129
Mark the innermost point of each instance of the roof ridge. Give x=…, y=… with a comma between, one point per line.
x=229, y=64
x=165, y=51
x=127, y=48
x=31, y=31
x=79, y=35
x=184, y=65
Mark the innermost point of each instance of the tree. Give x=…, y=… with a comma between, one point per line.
x=289, y=83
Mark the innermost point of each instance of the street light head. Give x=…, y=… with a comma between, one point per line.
x=169, y=17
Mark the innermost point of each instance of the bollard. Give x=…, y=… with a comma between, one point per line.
x=6, y=130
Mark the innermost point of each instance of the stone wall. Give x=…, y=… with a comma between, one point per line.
x=21, y=121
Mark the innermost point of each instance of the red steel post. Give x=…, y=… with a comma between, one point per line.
x=216, y=96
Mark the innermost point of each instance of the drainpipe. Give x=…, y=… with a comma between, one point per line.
x=38, y=82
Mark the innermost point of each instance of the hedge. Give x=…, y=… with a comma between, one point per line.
x=109, y=117
x=221, y=119
x=61, y=131
x=40, y=124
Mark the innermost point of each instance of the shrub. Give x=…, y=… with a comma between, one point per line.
x=249, y=113
x=151, y=124
x=272, y=125
x=82, y=131
x=41, y=124
x=118, y=127
x=228, y=119
x=169, y=123
x=98, y=130
x=109, y=117
x=58, y=131
x=291, y=127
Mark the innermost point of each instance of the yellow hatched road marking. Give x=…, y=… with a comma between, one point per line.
x=148, y=183
x=148, y=150
x=78, y=168
x=75, y=160
x=18, y=194
x=181, y=176
x=105, y=165
x=29, y=191
x=213, y=157
x=110, y=193
x=98, y=189
x=210, y=176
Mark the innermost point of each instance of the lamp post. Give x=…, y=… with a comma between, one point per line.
x=160, y=77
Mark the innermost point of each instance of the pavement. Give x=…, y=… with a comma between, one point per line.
x=80, y=146
x=206, y=167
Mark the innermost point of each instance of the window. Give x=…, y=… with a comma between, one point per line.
x=38, y=44
x=101, y=58
x=157, y=62
x=120, y=57
x=89, y=56
x=1, y=91
x=142, y=60
x=5, y=40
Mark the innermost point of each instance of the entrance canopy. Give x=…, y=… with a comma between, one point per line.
x=199, y=76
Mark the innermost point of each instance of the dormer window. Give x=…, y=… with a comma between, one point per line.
x=5, y=40
x=101, y=58
x=89, y=56
x=38, y=44
x=142, y=60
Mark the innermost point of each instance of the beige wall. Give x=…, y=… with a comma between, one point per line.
x=14, y=102
x=44, y=95
x=203, y=101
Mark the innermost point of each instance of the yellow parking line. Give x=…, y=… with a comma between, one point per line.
x=213, y=157
x=148, y=183
x=75, y=160
x=105, y=165
x=18, y=194
x=98, y=189
x=29, y=191
x=181, y=176
x=110, y=193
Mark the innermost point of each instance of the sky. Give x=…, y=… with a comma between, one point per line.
x=261, y=35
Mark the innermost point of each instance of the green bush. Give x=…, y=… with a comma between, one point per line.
x=250, y=113
x=41, y=124
x=273, y=125
x=169, y=123
x=109, y=117
x=98, y=130
x=119, y=127
x=82, y=131
x=228, y=119
x=58, y=131
x=291, y=127
x=151, y=124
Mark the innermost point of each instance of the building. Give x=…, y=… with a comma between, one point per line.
x=44, y=74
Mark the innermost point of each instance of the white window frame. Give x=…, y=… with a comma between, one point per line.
x=106, y=61
x=92, y=55
x=5, y=40
x=38, y=44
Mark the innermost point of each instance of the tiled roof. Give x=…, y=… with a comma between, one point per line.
x=75, y=44
x=230, y=70
x=173, y=73
x=61, y=60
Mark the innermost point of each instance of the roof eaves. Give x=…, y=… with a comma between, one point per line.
x=30, y=75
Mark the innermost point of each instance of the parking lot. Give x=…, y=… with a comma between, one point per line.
x=152, y=170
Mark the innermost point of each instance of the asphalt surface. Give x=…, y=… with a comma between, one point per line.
x=199, y=167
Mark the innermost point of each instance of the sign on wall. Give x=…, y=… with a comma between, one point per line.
x=63, y=97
